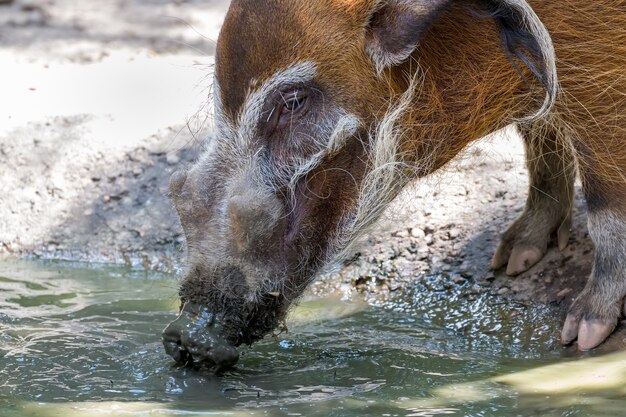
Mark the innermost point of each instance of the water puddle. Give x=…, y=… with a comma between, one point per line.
x=86, y=342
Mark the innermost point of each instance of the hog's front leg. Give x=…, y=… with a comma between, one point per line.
x=552, y=173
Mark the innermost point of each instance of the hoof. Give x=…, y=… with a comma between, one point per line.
x=522, y=259
x=590, y=333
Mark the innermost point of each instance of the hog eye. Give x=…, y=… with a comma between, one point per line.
x=286, y=107
x=293, y=103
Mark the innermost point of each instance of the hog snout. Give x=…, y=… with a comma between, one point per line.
x=196, y=338
x=253, y=222
x=255, y=218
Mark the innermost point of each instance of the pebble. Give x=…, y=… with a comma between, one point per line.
x=172, y=159
x=503, y=291
x=454, y=233
x=400, y=233
x=563, y=293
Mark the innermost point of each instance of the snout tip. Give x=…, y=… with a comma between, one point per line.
x=196, y=341
x=173, y=347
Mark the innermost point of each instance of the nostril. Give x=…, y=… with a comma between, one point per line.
x=177, y=181
x=223, y=357
x=172, y=342
x=195, y=338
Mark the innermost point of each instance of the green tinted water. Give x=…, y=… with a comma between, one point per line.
x=86, y=342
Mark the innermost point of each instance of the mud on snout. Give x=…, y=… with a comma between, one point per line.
x=196, y=338
x=217, y=316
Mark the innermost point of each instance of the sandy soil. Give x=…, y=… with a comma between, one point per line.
x=103, y=100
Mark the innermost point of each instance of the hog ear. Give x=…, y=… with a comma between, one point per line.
x=395, y=28
x=525, y=38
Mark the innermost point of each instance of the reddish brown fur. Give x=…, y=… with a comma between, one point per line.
x=469, y=89
x=332, y=45
x=465, y=87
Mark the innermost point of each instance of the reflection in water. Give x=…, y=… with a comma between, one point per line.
x=86, y=342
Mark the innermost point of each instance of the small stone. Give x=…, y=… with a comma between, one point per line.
x=400, y=233
x=503, y=291
x=137, y=171
x=172, y=159
x=563, y=293
x=418, y=233
x=459, y=280
x=454, y=233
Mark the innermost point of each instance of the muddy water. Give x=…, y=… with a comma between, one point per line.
x=86, y=342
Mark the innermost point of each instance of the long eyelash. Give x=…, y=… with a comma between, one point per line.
x=270, y=116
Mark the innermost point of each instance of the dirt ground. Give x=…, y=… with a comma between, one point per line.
x=103, y=100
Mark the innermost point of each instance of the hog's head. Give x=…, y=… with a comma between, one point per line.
x=311, y=101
